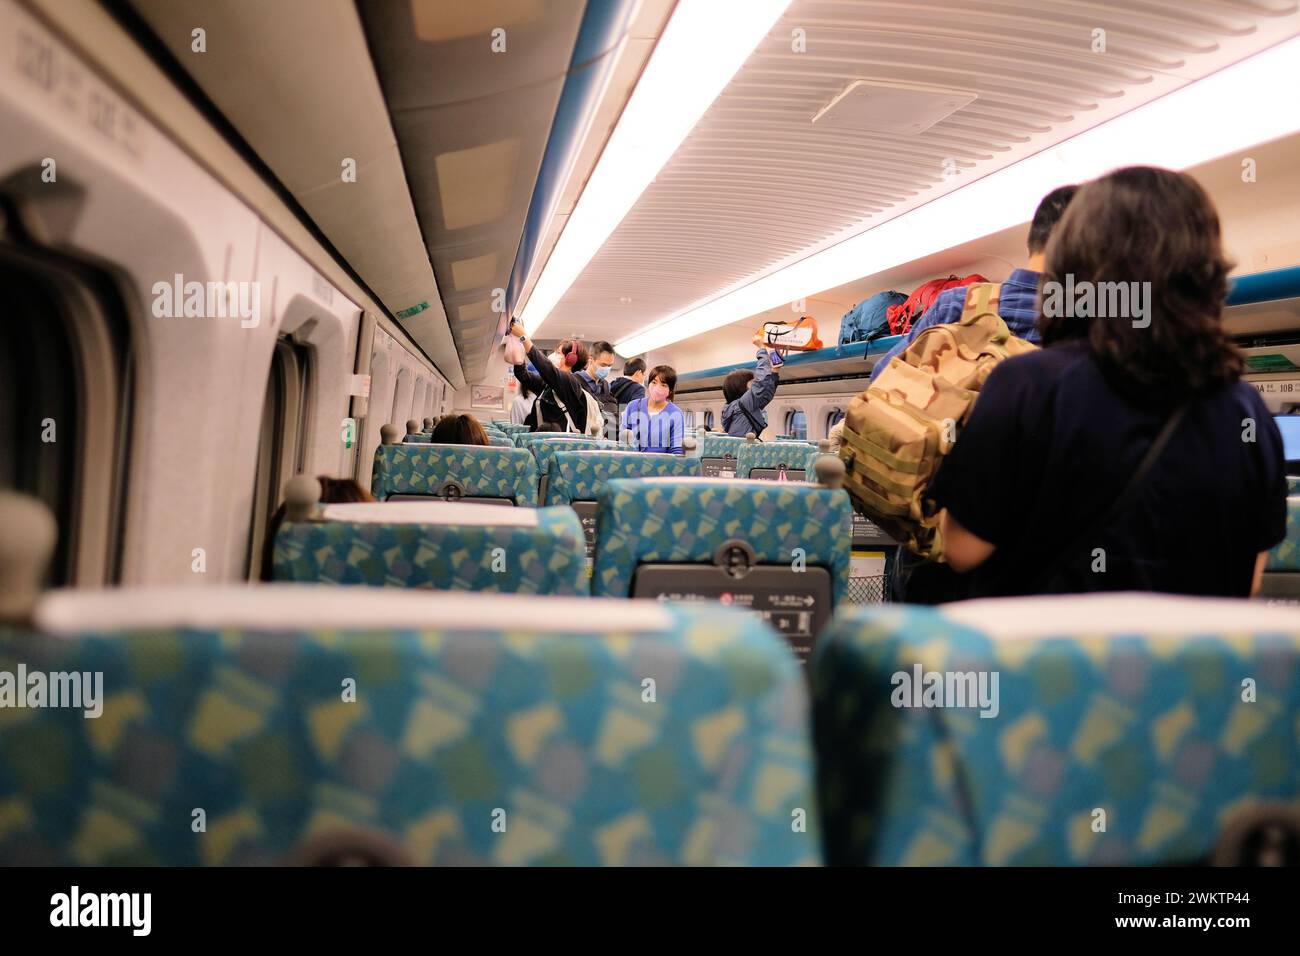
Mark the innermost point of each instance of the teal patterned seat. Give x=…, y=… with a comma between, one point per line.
x=417, y=438
x=500, y=440
x=530, y=440
x=253, y=722
x=545, y=451
x=478, y=471
x=440, y=545
x=581, y=475
x=1292, y=485
x=718, y=446
x=686, y=520
x=1286, y=555
x=794, y=455
x=1125, y=729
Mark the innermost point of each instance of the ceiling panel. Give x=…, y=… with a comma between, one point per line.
x=472, y=122
x=757, y=185
x=295, y=78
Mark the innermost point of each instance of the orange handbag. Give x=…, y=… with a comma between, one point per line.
x=799, y=336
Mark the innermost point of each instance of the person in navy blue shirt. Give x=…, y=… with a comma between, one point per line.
x=631, y=385
x=595, y=377
x=1030, y=488
x=1018, y=298
x=656, y=424
x=916, y=580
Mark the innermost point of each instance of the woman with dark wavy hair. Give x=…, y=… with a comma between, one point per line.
x=1127, y=454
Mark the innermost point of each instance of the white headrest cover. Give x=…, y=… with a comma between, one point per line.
x=295, y=607
x=1097, y=615
x=431, y=512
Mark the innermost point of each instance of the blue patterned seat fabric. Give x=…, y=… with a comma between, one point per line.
x=718, y=446
x=1292, y=485
x=1286, y=555
x=417, y=438
x=581, y=475
x=531, y=439
x=1125, y=729
x=541, y=551
x=686, y=520
x=794, y=455
x=500, y=440
x=496, y=740
x=482, y=472
x=545, y=451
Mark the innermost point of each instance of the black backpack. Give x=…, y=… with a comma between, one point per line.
x=548, y=410
x=609, y=412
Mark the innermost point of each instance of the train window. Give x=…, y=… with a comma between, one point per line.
x=282, y=447
x=65, y=385
x=708, y=419
x=796, y=424
x=401, y=403
x=833, y=418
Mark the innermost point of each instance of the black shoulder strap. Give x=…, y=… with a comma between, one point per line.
x=758, y=429
x=1119, y=505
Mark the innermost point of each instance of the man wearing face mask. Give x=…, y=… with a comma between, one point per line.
x=595, y=379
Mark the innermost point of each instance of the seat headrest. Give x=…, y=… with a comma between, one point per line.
x=1118, y=614
x=429, y=512
x=303, y=607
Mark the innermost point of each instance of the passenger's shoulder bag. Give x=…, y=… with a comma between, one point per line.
x=1121, y=504
x=596, y=416
x=550, y=409
x=753, y=422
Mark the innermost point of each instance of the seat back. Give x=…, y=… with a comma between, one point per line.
x=1120, y=729
x=778, y=549
x=1280, y=583
x=718, y=455
x=545, y=452
x=765, y=460
x=500, y=440
x=297, y=722
x=579, y=475
x=508, y=475
x=417, y=438
x=442, y=545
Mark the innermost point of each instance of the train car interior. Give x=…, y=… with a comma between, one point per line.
x=605, y=433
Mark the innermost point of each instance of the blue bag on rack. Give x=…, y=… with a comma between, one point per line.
x=867, y=320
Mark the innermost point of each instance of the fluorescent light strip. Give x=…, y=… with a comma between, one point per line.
x=1231, y=110
x=702, y=47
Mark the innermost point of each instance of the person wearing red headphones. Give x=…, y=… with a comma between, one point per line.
x=558, y=373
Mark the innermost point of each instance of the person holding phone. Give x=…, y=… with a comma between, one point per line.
x=748, y=393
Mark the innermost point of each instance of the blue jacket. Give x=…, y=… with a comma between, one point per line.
x=626, y=391
x=658, y=433
x=1017, y=304
x=758, y=396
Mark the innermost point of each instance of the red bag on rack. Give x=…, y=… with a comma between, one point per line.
x=900, y=317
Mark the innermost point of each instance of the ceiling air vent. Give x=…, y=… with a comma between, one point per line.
x=902, y=109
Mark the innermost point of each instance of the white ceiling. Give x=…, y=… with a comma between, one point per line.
x=757, y=185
